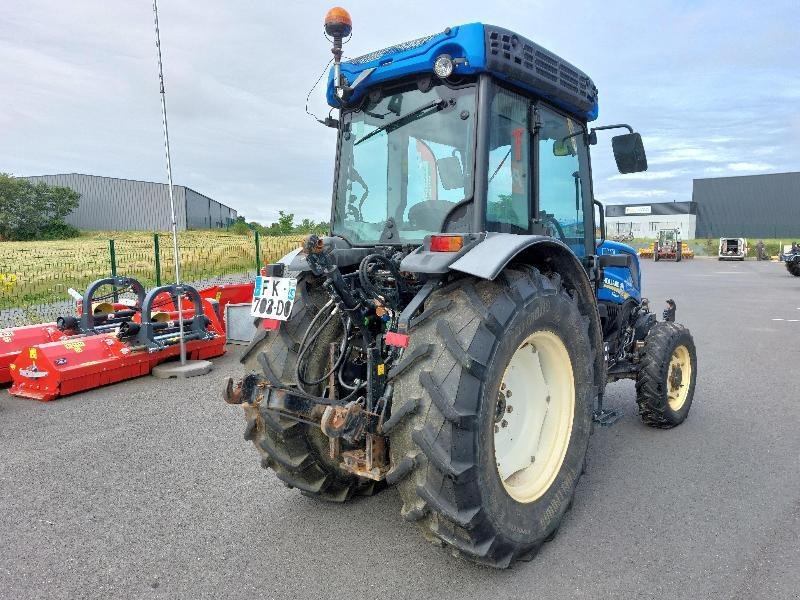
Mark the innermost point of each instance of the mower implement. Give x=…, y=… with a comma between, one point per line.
x=105, y=314
x=454, y=333
x=113, y=350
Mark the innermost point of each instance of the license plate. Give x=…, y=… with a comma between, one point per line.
x=273, y=297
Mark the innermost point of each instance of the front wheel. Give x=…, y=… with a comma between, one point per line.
x=504, y=394
x=793, y=267
x=667, y=375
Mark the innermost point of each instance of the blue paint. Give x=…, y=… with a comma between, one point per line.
x=463, y=41
x=620, y=283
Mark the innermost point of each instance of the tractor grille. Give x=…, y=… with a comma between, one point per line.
x=410, y=45
x=529, y=63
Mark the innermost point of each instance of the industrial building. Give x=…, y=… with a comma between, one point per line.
x=125, y=204
x=645, y=220
x=753, y=206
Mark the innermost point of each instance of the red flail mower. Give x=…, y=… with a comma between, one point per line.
x=115, y=340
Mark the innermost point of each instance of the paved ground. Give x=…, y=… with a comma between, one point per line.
x=147, y=489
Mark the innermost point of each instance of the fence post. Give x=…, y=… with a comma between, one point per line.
x=258, y=255
x=157, y=251
x=113, y=255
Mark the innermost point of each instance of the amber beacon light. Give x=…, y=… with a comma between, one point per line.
x=338, y=25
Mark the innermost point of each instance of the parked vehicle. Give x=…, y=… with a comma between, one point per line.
x=732, y=248
x=454, y=334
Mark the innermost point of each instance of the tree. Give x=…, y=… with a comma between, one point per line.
x=31, y=211
x=285, y=222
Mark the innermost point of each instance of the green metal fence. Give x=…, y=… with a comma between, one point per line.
x=35, y=276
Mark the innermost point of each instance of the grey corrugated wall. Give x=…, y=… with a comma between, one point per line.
x=203, y=213
x=118, y=204
x=748, y=206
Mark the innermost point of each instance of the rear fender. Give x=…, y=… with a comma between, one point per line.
x=488, y=258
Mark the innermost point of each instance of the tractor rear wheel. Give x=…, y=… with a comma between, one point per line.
x=793, y=267
x=297, y=452
x=667, y=375
x=497, y=386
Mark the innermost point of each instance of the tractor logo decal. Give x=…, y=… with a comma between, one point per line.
x=617, y=287
x=60, y=361
x=76, y=346
x=6, y=335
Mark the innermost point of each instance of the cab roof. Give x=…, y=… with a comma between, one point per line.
x=504, y=54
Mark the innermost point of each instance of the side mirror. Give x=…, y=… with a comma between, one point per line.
x=629, y=153
x=450, y=174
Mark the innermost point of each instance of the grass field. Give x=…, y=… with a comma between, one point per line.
x=41, y=272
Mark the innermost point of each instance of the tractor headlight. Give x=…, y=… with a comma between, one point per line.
x=443, y=66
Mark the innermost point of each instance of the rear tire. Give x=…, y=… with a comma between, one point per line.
x=667, y=376
x=448, y=453
x=793, y=267
x=297, y=452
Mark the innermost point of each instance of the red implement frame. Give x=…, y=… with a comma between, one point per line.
x=46, y=371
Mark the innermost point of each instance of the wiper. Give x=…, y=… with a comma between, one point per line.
x=405, y=119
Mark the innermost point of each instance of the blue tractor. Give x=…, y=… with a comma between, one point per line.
x=454, y=334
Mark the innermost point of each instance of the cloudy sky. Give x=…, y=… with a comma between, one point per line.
x=714, y=87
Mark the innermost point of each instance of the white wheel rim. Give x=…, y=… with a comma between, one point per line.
x=535, y=406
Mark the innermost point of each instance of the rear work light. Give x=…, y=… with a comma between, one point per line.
x=446, y=243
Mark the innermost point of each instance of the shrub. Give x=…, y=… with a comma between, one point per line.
x=31, y=211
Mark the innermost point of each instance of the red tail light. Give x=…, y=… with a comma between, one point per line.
x=270, y=324
x=392, y=338
x=446, y=243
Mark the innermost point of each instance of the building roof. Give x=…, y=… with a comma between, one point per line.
x=652, y=208
x=117, y=179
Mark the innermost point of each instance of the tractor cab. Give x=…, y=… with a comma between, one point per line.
x=473, y=129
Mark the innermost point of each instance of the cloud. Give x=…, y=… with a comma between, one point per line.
x=749, y=166
x=649, y=175
x=712, y=87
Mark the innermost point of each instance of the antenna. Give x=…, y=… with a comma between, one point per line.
x=175, y=251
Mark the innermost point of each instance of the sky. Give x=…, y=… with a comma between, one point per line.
x=713, y=86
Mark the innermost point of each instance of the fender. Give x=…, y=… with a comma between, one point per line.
x=488, y=258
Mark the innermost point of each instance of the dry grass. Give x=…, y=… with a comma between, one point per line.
x=41, y=272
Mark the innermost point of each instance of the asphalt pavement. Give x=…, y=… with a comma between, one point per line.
x=146, y=489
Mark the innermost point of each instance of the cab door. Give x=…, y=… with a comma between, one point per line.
x=563, y=178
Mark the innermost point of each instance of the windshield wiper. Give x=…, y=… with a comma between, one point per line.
x=405, y=119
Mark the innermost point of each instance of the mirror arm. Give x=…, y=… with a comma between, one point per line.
x=621, y=125
x=602, y=211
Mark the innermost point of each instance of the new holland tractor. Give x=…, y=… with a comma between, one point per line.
x=454, y=334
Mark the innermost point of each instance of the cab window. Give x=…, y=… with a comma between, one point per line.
x=560, y=185
x=508, y=194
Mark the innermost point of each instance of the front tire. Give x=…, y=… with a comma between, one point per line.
x=793, y=267
x=473, y=481
x=667, y=376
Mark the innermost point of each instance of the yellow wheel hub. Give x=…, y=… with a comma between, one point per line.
x=679, y=377
x=533, y=416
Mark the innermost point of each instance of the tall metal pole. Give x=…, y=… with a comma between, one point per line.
x=176, y=254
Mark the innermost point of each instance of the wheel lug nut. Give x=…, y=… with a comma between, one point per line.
x=502, y=386
x=508, y=393
x=504, y=423
x=509, y=409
